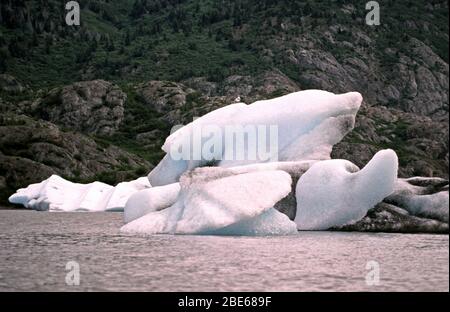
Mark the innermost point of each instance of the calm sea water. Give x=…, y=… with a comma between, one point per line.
x=35, y=247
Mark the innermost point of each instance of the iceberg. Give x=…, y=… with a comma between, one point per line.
x=308, y=124
x=296, y=169
x=335, y=192
x=161, y=197
x=422, y=197
x=216, y=198
x=270, y=222
x=58, y=194
x=276, y=192
x=122, y=192
x=150, y=200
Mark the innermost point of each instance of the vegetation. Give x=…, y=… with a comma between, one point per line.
x=137, y=40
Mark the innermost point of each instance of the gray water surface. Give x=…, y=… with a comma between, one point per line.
x=35, y=247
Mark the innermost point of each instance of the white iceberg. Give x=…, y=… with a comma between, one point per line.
x=58, y=194
x=308, y=124
x=423, y=197
x=253, y=196
x=161, y=197
x=270, y=222
x=122, y=192
x=149, y=200
x=215, y=198
x=334, y=192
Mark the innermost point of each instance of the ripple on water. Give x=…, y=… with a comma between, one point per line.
x=35, y=247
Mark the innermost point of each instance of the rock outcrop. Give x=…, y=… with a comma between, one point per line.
x=392, y=219
x=31, y=151
x=176, y=102
x=93, y=107
x=421, y=142
x=411, y=77
x=249, y=89
x=417, y=205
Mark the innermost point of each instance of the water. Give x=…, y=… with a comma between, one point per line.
x=35, y=247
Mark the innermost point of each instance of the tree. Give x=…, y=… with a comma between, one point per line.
x=138, y=9
x=35, y=40
x=127, y=39
x=48, y=43
x=15, y=49
x=111, y=46
x=3, y=57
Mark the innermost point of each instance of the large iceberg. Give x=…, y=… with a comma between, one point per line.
x=295, y=186
x=241, y=200
x=308, y=124
x=160, y=197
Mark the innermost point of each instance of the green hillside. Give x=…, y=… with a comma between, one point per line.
x=138, y=40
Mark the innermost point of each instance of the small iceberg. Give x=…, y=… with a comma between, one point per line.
x=58, y=194
x=422, y=197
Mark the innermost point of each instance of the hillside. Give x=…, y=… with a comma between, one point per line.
x=149, y=65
